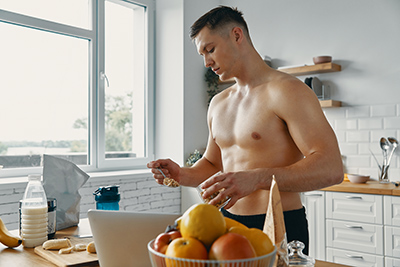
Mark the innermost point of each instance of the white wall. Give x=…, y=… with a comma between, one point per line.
x=362, y=35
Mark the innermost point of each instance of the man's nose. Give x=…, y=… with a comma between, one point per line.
x=208, y=62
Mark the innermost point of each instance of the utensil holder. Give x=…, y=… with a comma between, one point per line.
x=383, y=175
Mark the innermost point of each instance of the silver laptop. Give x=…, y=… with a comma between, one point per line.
x=121, y=237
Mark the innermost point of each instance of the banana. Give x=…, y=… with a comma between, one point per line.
x=54, y=244
x=91, y=248
x=7, y=238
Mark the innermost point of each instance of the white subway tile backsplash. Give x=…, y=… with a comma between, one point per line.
x=348, y=149
x=370, y=123
x=335, y=113
x=340, y=136
x=376, y=135
x=383, y=110
x=359, y=129
x=358, y=112
x=346, y=124
x=357, y=161
x=358, y=136
x=391, y=123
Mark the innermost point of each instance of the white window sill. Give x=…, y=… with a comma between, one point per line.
x=104, y=175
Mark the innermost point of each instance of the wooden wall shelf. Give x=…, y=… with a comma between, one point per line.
x=312, y=69
x=306, y=70
x=330, y=103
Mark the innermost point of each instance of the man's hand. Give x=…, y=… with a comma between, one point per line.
x=168, y=167
x=235, y=185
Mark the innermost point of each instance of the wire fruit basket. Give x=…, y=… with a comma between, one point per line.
x=160, y=260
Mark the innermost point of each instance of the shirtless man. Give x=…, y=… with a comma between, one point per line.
x=267, y=123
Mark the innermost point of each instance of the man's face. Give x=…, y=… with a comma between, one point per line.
x=216, y=50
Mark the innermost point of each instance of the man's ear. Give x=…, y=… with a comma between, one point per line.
x=238, y=35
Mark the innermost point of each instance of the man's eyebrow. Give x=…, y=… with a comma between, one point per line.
x=204, y=47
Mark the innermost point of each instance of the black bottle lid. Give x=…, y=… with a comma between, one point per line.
x=107, y=194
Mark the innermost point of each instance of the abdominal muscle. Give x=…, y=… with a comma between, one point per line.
x=237, y=159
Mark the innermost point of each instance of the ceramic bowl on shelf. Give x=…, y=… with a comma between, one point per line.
x=322, y=59
x=358, y=178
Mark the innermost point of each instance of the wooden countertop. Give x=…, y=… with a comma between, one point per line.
x=370, y=187
x=21, y=256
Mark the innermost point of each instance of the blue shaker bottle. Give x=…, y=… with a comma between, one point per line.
x=107, y=198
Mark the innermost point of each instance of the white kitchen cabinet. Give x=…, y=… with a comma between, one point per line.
x=355, y=236
x=392, y=241
x=360, y=229
x=354, y=229
x=364, y=208
x=352, y=258
x=392, y=210
x=392, y=262
x=314, y=202
x=392, y=229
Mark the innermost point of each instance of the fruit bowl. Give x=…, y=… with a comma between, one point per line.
x=160, y=260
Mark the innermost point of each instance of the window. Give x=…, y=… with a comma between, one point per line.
x=76, y=82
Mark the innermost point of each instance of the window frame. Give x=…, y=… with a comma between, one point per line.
x=96, y=87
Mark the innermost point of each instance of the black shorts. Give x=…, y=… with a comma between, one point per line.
x=295, y=223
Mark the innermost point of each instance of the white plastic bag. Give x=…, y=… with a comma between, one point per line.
x=61, y=180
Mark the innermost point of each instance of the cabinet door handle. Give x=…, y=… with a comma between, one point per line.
x=313, y=195
x=354, y=256
x=353, y=197
x=354, y=226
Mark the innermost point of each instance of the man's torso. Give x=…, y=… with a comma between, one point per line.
x=250, y=135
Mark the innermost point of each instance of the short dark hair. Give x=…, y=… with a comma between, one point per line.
x=218, y=18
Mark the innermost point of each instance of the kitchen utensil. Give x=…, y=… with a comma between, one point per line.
x=384, y=146
x=357, y=178
x=317, y=87
x=393, y=141
x=308, y=81
x=380, y=167
x=322, y=59
x=159, y=169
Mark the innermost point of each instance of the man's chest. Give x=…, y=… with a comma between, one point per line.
x=245, y=126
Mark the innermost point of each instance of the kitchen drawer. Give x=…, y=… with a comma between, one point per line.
x=392, y=262
x=363, y=208
x=392, y=210
x=355, y=236
x=392, y=241
x=354, y=258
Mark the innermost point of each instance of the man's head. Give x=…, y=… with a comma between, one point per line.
x=220, y=19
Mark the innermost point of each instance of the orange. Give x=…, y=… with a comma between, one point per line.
x=204, y=222
x=260, y=240
x=231, y=223
x=187, y=248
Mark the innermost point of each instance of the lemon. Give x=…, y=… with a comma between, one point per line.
x=203, y=222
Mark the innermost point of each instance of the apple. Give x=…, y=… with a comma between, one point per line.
x=187, y=248
x=231, y=246
x=164, y=239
